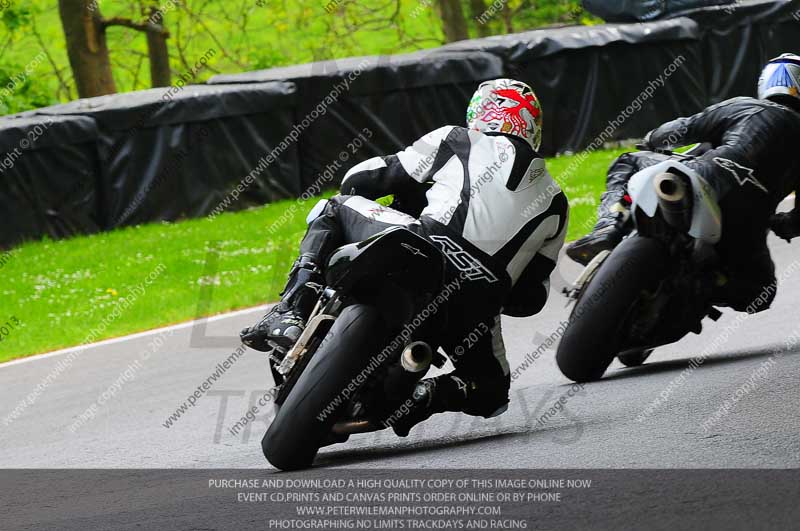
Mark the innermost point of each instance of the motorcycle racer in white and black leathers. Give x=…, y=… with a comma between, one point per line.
x=753, y=163
x=491, y=207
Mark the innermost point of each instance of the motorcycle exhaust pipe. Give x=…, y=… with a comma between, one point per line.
x=416, y=357
x=674, y=200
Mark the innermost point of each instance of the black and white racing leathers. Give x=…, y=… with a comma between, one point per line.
x=497, y=215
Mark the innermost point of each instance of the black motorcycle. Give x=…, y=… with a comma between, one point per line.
x=656, y=286
x=364, y=349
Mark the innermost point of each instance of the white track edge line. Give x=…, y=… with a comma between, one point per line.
x=131, y=337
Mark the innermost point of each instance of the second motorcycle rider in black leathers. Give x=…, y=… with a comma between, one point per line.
x=753, y=164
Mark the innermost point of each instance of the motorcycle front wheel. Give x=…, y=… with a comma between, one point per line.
x=304, y=421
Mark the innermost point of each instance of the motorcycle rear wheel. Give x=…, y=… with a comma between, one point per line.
x=296, y=434
x=596, y=332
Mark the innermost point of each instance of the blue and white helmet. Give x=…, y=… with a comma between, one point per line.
x=780, y=80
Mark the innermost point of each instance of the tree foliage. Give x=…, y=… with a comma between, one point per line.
x=246, y=35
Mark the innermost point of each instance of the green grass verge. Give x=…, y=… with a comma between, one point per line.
x=60, y=294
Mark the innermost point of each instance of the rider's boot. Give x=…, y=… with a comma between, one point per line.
x=280, y=328
x=431, y=396
x=612, y=225
x=421, y=409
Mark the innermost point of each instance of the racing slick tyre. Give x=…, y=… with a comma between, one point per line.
x=304, y=421
x=597, y=323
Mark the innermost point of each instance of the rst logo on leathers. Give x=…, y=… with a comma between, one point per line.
x=472, y=268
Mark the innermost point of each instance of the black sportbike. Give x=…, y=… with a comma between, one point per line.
x=654, y=287
x=364, y=348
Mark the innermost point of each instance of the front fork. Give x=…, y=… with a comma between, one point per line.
x=320, y=321
x=287, y=371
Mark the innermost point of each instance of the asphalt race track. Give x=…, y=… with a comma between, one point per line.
x=108, y=407
x=606, y=424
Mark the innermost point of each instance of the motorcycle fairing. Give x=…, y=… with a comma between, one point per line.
x=706, y=224
x=395, y=252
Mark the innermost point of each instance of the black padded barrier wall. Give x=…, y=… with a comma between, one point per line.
x=736, y=43
x=391, y=100
x=166, y=154
x=48, y=178
x=170, y=153
x=588, y=77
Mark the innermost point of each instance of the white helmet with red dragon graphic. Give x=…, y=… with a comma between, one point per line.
x=506, y=106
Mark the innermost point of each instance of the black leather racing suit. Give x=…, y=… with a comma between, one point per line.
x=752, y=165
